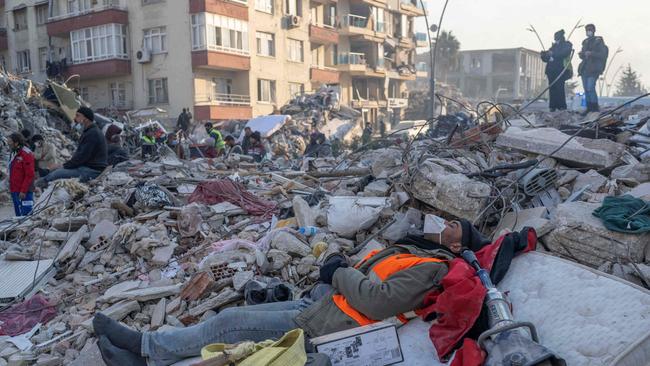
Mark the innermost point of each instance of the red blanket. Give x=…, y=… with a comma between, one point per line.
x=458, y=305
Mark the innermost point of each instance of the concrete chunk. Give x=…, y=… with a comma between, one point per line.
x=225, y=297
x=582, y=237
x=580, y=150
x=117, y=312
x=533, y=217
x=159, y=313
x=452, y=193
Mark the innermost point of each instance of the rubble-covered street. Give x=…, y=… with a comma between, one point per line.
x=170, y=242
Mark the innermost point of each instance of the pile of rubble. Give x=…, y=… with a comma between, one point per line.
x=169, y=243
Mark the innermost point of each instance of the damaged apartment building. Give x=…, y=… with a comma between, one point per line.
x=222, y=59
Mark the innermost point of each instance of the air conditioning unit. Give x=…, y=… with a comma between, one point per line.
x=143, y=55
x=538, y=180
x=293, y=21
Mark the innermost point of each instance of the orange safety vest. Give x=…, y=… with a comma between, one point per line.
x=383, y=270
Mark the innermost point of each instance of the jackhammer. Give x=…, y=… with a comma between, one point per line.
x=506, y=342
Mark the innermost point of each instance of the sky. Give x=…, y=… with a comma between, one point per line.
x=483, y=24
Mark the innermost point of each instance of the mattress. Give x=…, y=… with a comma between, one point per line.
x=587, y=317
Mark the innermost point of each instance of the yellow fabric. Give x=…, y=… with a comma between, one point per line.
x=287, y=351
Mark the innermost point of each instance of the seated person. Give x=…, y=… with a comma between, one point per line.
x=232, y=147
x=116, y=153
x=256, y=148
x=384, y=285
x=90, y=158
x=215, y=134
x=148, y=143
x=318, y=146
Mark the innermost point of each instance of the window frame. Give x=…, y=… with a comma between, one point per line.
x=103, y=42
x=23, y=57
x=265, y=6
x=150, y=35
x=153, y=89
x=119, y=88
x=21, y=14
x=261, y=98
x=269, y=38
x=292, y=52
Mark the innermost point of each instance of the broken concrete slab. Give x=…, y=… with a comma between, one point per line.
x=69, y=223
x=159, y=313
x=452, y=193
x=288, y=243
x=102, y=214
x=579, y=150
x=240, y=279
x=71, y=245
x=116, y=311
x=145, y=294
x=582, y=237
x=225, y=297
x=347, y=216
x=377, y=188
x=102, y=232
x=55, y=235
x=532, y=217
x=641, y=191
x=592, y=179
x=304, y=214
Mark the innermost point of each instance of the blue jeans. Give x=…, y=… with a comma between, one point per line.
x=23, y=207
x=589, y=84
x=83, y=173
x=232, y=325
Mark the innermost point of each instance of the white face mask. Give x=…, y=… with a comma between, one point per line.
x=79, y=127
x=434, y=225
x=590, y=34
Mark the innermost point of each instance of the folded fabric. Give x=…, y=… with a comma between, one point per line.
x=625, y=214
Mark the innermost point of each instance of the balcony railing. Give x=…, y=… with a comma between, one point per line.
x=352, y=20
x=352, y=58
x=225, y=49
x=77, y=13
x=226, y=99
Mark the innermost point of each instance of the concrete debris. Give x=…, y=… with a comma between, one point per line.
x=584, y=151
x=130, y=245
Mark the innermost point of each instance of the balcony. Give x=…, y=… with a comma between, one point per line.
x=4, y=45
x=237, y=9
x=323, y=35
x=324, y=2
x=412, y=8
x=352, y=61
x=100, y=69
x=221, y=58
x=357, y=25
x=62, y=25
x=220, y=106
x=421, y=40
x=324, y=75
x=398, y=102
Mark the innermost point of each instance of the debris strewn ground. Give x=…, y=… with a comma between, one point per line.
x=170, y=242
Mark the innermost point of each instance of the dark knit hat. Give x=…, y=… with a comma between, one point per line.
x=86, y=112
x=559, y=34
x=590, y=26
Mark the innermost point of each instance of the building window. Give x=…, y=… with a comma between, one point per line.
x=265, y=44
x=20, y=19
x=266, y=91
x=24, y=62
x=330, y=15
x=42, y=58
x=118, y=95
x=219, y=33
x=296, y=89
x=148, y=2
x=79, y=6
x=335, y=54
x=99, y=43
x=221, y=88
x=295, y=50
x=155, y=39
x=84, y=93
x=293, y=7
x=158, y=91
x=41, y=14
x=264, y=5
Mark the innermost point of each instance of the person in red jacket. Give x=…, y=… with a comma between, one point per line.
x=21, y=175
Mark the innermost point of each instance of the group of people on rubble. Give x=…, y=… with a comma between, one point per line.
x=33, y=154
x=251, y=143
x=558, y=59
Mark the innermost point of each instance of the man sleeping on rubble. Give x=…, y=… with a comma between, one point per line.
x=386, y=285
